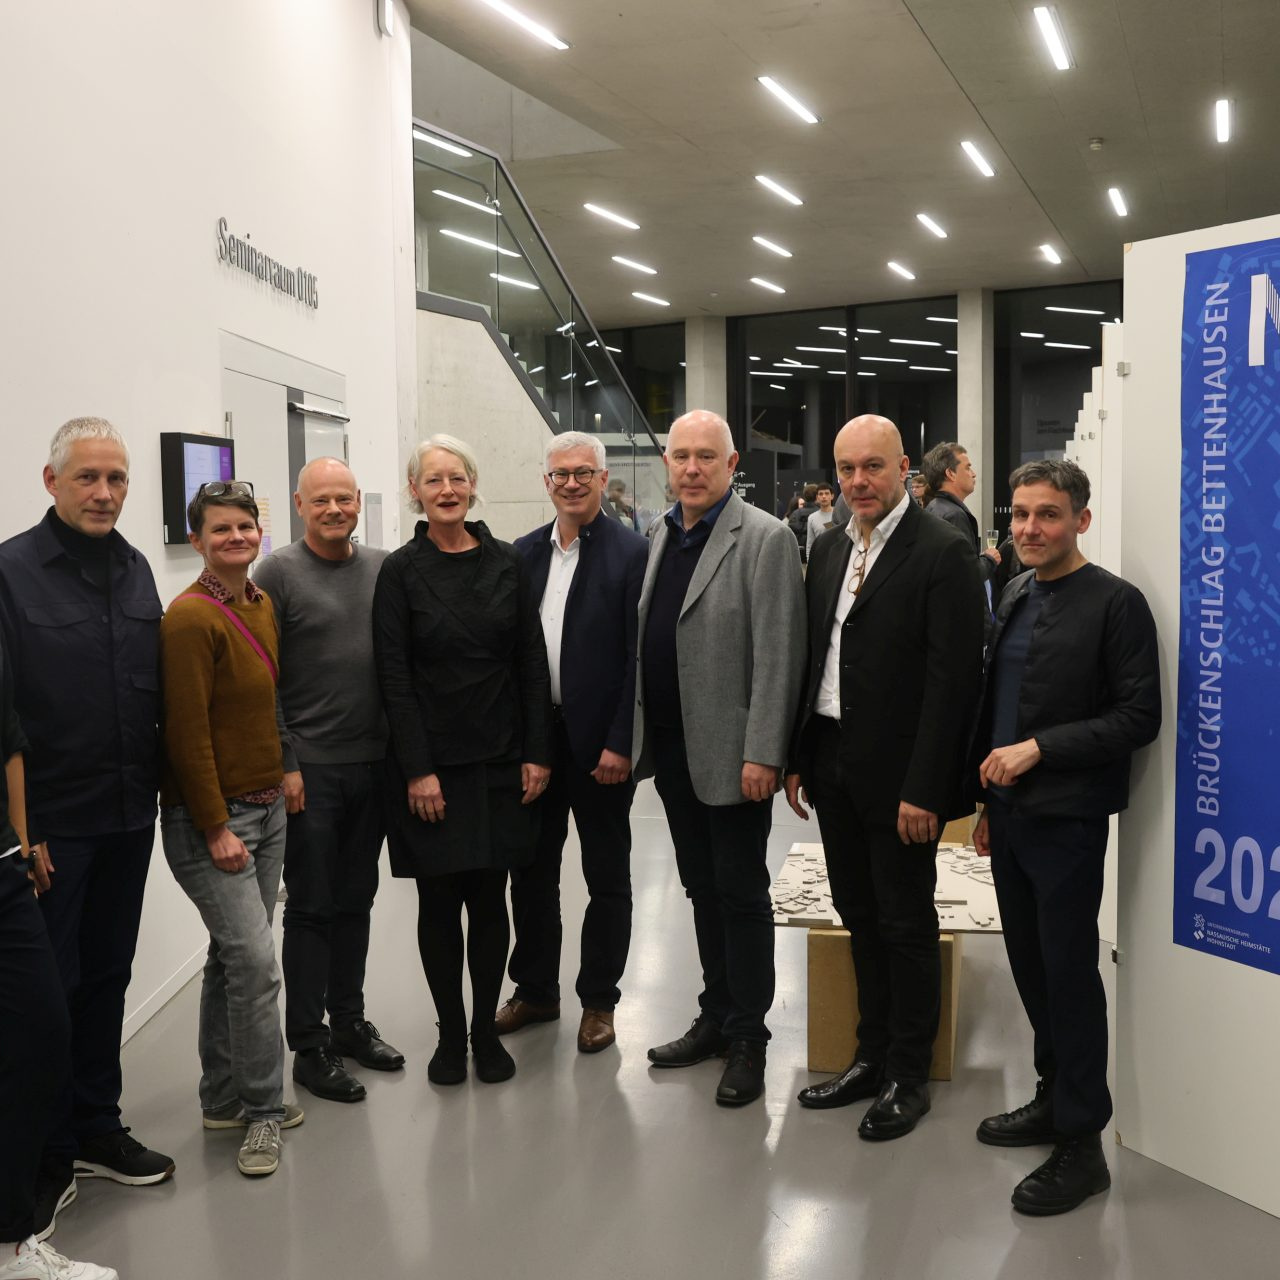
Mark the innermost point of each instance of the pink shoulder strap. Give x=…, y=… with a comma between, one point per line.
x=242, y=629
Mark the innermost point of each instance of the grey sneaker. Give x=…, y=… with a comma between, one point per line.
x=260, y=1150
x=233, y=1117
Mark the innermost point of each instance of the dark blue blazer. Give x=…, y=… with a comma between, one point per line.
x=598, y=645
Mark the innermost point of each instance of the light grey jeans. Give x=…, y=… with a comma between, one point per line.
x=241, y=1048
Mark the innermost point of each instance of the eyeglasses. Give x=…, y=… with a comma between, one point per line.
x=583, y=475
x=226, y=489
x=859, y=570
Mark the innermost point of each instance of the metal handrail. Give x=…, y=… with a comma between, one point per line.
x=639, y=413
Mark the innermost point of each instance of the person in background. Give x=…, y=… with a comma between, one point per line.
x=81, y=626
x=222, y=818
x=799, y=509
x=821, y=520
x=586, y=571
x=322, y=590
x=618, y=500
x=895, y=657
x=463, y=670
x=721, y=656
x=1072, y=691
x=920, y=490
x=35, y=1050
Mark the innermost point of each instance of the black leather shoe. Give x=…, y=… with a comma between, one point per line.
x=743, y=1079
x=703, y=1040
x=321, y=1072
x=1076, y=1170
x=1026, y=1126
x=360, y=1040
x=493, y=1062
x=858, y=1081
x=895, y=1112
x=448, y=1064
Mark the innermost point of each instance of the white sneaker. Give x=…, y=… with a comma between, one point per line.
x=36, y=1261
x=259, y=1152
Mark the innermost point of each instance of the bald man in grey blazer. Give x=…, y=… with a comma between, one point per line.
x=721, y=658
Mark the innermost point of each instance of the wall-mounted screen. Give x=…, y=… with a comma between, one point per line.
x=186, y=462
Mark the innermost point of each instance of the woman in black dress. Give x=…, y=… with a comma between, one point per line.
x=464, y=678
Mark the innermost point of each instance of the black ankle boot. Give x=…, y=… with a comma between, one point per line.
x=493, y=1062
x=448, y=1064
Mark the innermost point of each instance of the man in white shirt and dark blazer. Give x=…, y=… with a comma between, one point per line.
x=895, y=620
x=721, y=652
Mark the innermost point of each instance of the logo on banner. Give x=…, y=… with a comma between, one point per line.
x=1264, y=305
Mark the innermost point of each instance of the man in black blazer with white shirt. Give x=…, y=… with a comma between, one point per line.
x=586, y=568
x=895, y=664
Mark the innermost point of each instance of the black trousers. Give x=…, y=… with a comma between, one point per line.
x=602, y=815
x=1048, y=874
x=35, y=1047
x=331, y=874
x=92, y=911
x=883, y=891
x=721, y=858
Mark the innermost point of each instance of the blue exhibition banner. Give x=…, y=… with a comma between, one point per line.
x=1226, y=888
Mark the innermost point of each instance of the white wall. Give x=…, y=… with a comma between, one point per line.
x=1199, y=1037
x=130, y=128
x=466, y=388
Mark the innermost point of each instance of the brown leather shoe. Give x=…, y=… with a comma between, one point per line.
x=595, y=1032
x=517, y=1013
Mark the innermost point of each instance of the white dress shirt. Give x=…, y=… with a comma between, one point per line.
x=564, y=564
x=827, y=702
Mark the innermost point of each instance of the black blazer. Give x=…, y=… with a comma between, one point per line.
x=598, y=644
x=946, y=506
x=1090, y=695
x=462, y=665
x=910, y=665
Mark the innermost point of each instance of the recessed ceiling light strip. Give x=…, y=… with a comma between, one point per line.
x=926, y=221
x=773, y=248
x=601, y=212
x=480, y=244
x=471, y=204
x=1051, y=32
x=526, y=23
x=778, y=189
x=787, y=99
x=980, y=161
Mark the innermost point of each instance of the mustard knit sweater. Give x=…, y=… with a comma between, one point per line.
x=220, y=734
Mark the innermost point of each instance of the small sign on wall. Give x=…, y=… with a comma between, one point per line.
x=237, y=251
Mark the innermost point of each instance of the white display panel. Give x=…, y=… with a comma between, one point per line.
x=1199, y=1036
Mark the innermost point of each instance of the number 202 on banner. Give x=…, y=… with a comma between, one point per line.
x=1247, y=875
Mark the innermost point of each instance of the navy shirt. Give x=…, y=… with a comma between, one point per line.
x=1010, y=661
x=81, y=632
x=680, y=558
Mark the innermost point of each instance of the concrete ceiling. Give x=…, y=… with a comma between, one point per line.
x=898, y=84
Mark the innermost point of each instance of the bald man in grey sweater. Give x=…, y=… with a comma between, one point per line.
x=322, y=590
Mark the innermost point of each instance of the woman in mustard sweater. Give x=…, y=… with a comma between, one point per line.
x=222, y=816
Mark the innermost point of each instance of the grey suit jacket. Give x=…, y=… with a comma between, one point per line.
x=740, y=643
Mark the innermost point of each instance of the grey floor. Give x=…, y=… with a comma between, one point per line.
x=596, y=1166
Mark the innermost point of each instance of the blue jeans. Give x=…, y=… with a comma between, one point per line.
x=241, y=1048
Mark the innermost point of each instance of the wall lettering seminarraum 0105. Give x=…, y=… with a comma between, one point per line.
x=236, y=251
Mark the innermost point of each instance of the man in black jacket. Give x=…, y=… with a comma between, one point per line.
x=81, y=623
x=1072, y=690
x=895, y=661
x=950, y=477
x=586, y=568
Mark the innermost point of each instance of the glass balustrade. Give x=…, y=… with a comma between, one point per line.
x=477, y=242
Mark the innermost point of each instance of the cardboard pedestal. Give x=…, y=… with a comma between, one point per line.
x=833, y=1003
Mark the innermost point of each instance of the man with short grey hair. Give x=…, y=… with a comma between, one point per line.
x=322, y=591
x=81, y=623
x=721, y=658
x=586, y=569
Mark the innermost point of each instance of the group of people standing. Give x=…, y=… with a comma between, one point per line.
x=496, y=691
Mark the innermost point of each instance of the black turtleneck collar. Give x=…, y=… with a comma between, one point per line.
x=77, y=544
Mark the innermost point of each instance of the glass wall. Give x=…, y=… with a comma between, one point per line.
x=1047, y=343
x=651, y=358
x=477, y=242
x=797, y=377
